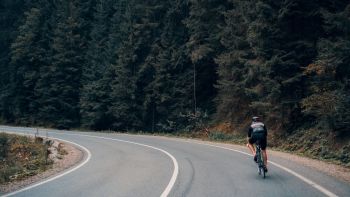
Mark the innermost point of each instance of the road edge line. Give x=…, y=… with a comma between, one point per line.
x=306, y=180
x=170, y=185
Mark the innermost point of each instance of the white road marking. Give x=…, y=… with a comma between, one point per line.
x=175, y=173
x=306, y=180
x=55, y=177
x=176, y=166
x=165, y=192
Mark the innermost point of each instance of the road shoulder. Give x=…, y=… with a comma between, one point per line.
x=73, y=157
x=337, y=171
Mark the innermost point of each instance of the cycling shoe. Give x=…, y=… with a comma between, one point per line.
x=265, y=169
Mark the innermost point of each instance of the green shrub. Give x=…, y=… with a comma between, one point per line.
x=3, y=145
x=8, y=172
x=21, y=157
x=219, y=136
x=345, y=155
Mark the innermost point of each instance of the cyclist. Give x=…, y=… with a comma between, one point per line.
x=257, y=131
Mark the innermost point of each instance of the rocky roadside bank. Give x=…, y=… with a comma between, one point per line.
x=63, y=155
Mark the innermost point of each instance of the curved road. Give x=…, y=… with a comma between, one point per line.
x=135, y=165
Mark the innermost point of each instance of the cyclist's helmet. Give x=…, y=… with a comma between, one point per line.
x=255, y=119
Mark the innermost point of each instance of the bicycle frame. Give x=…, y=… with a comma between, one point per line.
x=260, y=160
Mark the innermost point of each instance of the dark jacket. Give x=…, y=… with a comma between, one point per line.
x=257, y=127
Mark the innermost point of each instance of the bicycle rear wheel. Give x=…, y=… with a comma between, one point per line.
x=264, y=173
x=262, y=165
x=259, y=161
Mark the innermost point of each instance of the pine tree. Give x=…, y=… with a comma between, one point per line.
x=115, y=36
x=263, y=37
x=11, y=13
x=168, y=95
x=203, y=21
x=60, y=82
x=328, y=101
x=232, y=100
x=124, y=106
x=152, y=65
x=25, y=64
x=94, y=97
x=139, y=30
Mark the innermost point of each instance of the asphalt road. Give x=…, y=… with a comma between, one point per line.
x=136, y=165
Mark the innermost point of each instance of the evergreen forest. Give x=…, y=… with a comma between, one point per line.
x=176, y=65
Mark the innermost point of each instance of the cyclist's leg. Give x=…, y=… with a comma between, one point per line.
x=250, y=145
x=265, y=157
x=263, y=148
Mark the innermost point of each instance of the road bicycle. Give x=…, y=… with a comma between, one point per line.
x=260, y=160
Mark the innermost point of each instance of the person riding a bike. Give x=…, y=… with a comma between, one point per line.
x=258, y=133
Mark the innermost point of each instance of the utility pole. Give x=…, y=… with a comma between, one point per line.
x=194, y=88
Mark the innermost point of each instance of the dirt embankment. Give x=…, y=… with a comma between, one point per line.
x=63, y=155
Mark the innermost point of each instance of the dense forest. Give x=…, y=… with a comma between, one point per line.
x=171, y=65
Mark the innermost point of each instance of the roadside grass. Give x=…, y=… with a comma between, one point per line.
x=318, y=144
x=22, y=156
